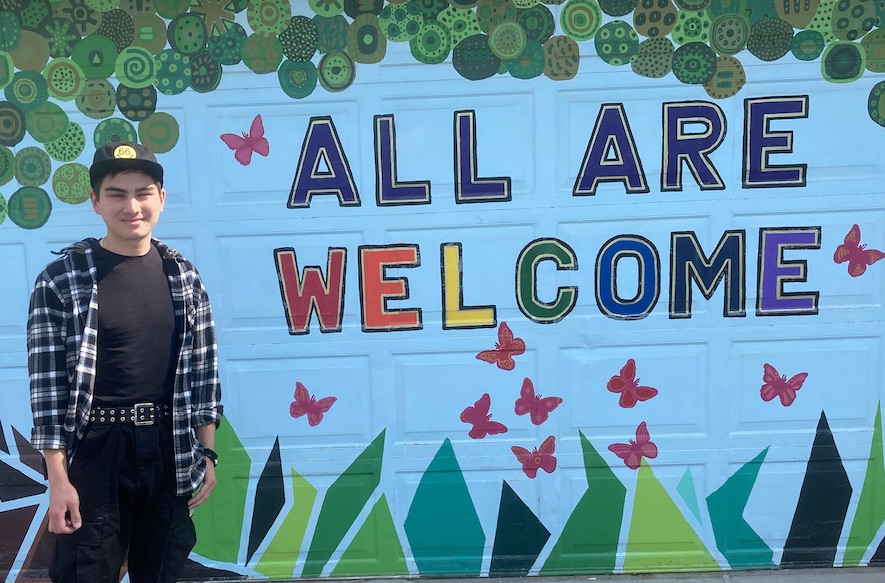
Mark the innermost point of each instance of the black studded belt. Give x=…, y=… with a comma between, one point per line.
x=139, y=414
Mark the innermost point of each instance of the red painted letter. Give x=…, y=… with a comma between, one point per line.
x=312, y=292
x=376, y=289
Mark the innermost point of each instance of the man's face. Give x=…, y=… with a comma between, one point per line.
x=130, y=204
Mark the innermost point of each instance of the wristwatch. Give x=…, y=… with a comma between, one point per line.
x=211, y=456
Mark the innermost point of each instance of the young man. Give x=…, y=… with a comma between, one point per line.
x=125, y=398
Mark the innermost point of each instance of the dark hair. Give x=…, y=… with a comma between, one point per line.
x=96, y=186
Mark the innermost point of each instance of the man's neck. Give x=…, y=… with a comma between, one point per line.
x=123, y=247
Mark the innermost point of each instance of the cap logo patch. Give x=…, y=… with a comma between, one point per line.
x=126, y=152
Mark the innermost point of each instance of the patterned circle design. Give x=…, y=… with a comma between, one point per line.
x=136, y=103
x=10, y=31
x=842, y=62
x=770, y=39
x=808, y=45
x=135, y=67
x=134, y=7
x=616, y=43
x=400, y=22
x=262, y=54
x=874, y=46
x=227, y=48
x=12, y=124
x=463, y=4
x=430, y=9
x=117, y=26
x=61, y=36
x=729, y=34
x=46, y=123
x=530, y=63
x=205, y=72
x=29, y=207
x=269, y=16
x=694, y=63
x=150, y=32
x=7, y=69
x=728, y=80
x=356, y=8
x=691, y=27
x=28, y=90
x=173, y=72
x=32, y=52
x=187, y=34
x=326, y=8
x=70, y=183
x=618, y=7
x=433, y=44
x=580, y=19
x=103, y=5
x=3, y=207
x=32, y=166
x=461, y=23
x=562, y=58
x=171, y=8
x=68, y=147
x=98, y=99
x=331, y=33
x=526, y=3
x=876, y=103
x=299, y=39
x=654, y=59
x=113, y=129
x=159, y=132
x=852, y=19
x=96, y=55
x=7, y=171
x=81, y=14
x=298, y=79
x=538, y=23
x=491, y=13
x=798, y=14
x=507, y=40
x=336, y=71
x=365, y=42
x=34, y=14
x=473, y=59
x=692, y=4
x=654, y=18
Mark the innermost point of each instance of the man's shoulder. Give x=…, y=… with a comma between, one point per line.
x=70, y=258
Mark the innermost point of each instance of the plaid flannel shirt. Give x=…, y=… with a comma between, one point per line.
x=62, y=349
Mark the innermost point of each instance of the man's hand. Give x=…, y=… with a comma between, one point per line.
x=64, y=501
x=209, y=481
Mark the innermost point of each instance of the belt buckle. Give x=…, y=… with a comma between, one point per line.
x=143, y=414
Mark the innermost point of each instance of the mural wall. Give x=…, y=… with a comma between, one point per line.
x=503, y=287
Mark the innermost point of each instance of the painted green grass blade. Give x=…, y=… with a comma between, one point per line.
x=279, y=558
x=376, y=548
x=688, y=493
x=870, y=512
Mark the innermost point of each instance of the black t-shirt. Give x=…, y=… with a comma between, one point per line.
x=137, y=337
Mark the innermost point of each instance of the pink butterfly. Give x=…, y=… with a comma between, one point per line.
x=778, y=386
x=633, y=452
x=244, y=145
x=480, y=418
x=505, y=349
x=307, y=404
x=534, y=405
x=628, y=385
x=539, y=458
x=857, y=255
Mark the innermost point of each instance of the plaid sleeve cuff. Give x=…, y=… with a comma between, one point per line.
x=207, y=416
x=48, y=437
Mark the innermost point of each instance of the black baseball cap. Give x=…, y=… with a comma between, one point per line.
x=118, y=156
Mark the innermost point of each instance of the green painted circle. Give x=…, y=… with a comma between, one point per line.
x=842, y=62
x=507, y=40
x=61, y=35
x=365, y=41
x=433, y=44
x=205, y=72
x=113, y=129
x=84, y=17
x=98, y=99
x=96, y=55
x=691, y=26
x=34, y=14
x=728, y=80
x=173, y=71
x=32, y=52
x=10, y=31
x=400, y=22
x=298, y=79
x=227, y=48
x=729, y=34
x=876, y=103
x=149, y=32
x=618, y=7
x=538, y=23
x=64, y=78
x=159, y=132
x=331, y=33
x=187, y=34
x=7, y=165
x=29, y=207
x=68, y=147
x=46, y=123
x=299, y=39
x=12, y=124
x=692, y=4
x=492, y=13
x=654, y=59
x=336, y=71
x=171, y=8
x=874, y=47
x=562, y=58
x=32, y=166
x=530, y=63
x=135, y=67
x=808, y=45
x=103, y=5
x=28, y=90
x=580, y=19
x=852, y=19
x=430, y=9
x=117, y=26
x=269, y=16
x=473, y=59
x=326, y=8
x=70, y=183
x=654, y=18
x=616, y=42
x=136, y=103
x=262, y=54
x=461, y=23
x=3, y=207
x=770, y=39
x=7, y=69
x=694, y=63
x=464, y=4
